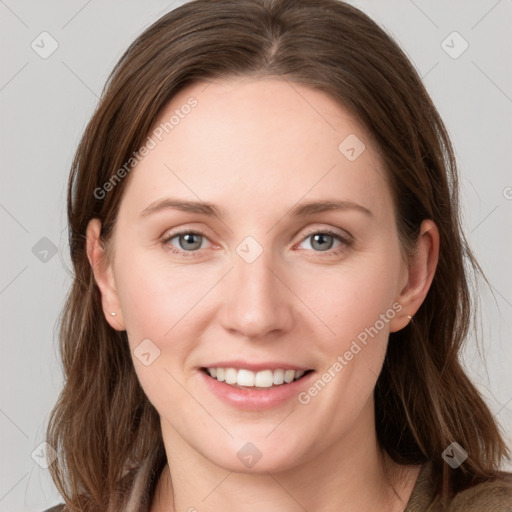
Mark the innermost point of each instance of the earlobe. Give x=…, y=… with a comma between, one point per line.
x=422, y=267
x=103, y=275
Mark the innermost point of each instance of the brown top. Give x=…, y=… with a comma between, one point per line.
x=492, y=496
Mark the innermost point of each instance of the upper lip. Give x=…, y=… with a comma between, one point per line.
x=256, y=367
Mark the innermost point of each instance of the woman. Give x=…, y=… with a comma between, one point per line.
x=270, y=293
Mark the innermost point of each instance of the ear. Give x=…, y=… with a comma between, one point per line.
x=419, y=274
x=103, y=275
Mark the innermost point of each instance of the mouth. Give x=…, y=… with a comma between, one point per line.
x=247, y=379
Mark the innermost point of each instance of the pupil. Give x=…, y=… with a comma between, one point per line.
x=321, y=239
x=189, y=239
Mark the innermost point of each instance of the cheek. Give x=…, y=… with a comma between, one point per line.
x=156, y=297
x=157, y=302
x=349, y=299
x=356, y=303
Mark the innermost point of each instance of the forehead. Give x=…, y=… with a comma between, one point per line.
x=243, y=141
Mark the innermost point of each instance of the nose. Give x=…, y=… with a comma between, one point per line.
x=258, y=303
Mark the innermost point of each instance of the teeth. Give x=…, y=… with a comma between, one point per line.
x=231, y=376
x=264, y=379
x=278, y=377
x=289, y=375
x=247, y=378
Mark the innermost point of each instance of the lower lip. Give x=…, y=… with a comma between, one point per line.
x=254, y=399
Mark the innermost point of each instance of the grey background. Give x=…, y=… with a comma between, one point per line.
x=45, y=104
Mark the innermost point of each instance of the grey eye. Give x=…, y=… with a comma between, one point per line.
x=188, y=241
x=320, y=241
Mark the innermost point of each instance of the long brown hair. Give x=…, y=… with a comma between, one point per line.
x=103, y=425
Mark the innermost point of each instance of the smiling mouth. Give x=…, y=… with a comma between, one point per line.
x=247, y=379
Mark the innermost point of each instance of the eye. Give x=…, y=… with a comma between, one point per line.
x=189, y=243
x=186, y=242
x=324, y=241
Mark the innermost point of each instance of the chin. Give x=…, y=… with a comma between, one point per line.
x=257, y=455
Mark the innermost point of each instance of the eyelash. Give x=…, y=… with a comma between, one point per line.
x=345, y=243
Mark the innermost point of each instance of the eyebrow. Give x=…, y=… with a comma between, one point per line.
x=184, y=206
x=313, y=207
x=205, y=208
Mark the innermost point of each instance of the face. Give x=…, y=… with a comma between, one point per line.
x=258, y=237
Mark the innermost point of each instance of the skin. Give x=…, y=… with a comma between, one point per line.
x=257, y=147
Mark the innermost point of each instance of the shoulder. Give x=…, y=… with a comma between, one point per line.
x=492, y=496
x=57, y=508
